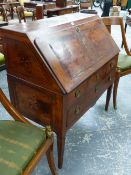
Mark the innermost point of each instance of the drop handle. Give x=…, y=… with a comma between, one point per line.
x=77, y=109
x=111, y=65
x=96, y=89
x=77, y=94
x=97, y=76
x=110, y=78
x=77, y=29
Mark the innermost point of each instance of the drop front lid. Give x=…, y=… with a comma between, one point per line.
x=74, y=53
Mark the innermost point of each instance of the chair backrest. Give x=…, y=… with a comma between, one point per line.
x=20, y=13
x=3, y=14
x=109, y=21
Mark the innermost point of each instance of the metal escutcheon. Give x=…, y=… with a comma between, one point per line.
x=77, y=110
x=97, y=76
x=77, y=93
x=96, y=88
x=77, y=29
x=110, y=78
x=111, y=65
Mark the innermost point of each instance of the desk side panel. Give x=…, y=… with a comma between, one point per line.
x=24, y=62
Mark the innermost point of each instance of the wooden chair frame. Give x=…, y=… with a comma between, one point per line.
x=47, y=146
x=3, y=14
x=21, y=15
x=109, y=21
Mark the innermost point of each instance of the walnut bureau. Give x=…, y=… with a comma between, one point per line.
x=57, y=69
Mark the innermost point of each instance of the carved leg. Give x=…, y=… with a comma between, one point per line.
x=115, y=91
x=109, y=90
x=51, y=160
x=60, y=148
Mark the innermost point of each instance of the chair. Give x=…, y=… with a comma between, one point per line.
x=22, y=144
x=2, y=62
x=128, y=19
x=124, y=60
x=127, y=23
x=8, y=7
x=3, y=16
x=23, y=14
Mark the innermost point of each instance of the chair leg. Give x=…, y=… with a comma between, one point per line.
x=109, y=90
x=51, y=160
x=125, y=32
x=115, y=91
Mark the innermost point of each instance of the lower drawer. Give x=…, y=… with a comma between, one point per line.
x=89, y=98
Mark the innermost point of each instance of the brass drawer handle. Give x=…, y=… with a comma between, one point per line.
x=111, y=65
x=52, y=98
x=77, y=110
x=77, y=93
x=1, y=39
x=110, y=78
x=96, y=89
x=77, y=29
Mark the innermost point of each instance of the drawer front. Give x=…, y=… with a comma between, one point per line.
x=82, y=104
x=34, y=103
x=92, y=81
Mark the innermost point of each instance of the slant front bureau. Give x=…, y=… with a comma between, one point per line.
x=57, y=68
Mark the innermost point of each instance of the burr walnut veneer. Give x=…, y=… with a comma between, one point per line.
x=57, y=68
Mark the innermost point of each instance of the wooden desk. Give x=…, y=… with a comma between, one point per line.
x=62, y=10
x=57, y=69
x=46, y=5
x=11, y=5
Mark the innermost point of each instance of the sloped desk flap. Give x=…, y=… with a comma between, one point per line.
x=75, y=53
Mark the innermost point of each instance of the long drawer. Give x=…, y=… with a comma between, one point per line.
x=87, y=98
